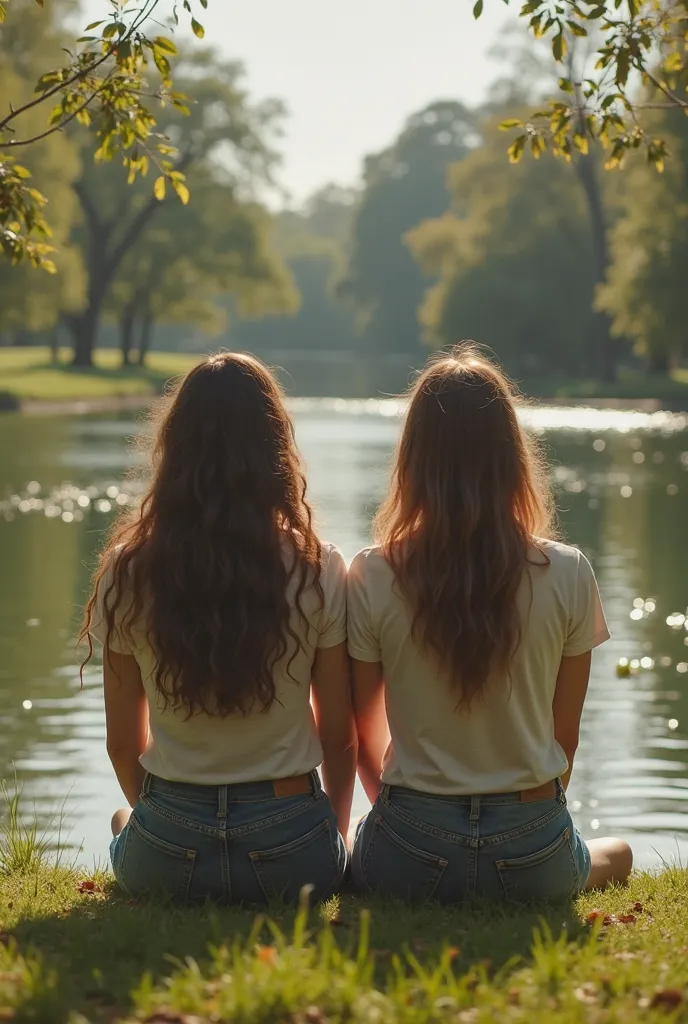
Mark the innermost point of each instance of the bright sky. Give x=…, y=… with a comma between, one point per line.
x=351, y=72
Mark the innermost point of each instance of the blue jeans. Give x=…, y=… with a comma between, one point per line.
x=418, y=846
x=235, y=843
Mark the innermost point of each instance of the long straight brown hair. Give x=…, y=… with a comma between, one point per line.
x=224, y=531
x=469, y=495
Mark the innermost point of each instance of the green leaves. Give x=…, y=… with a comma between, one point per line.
x=164, y=45
x=515, y=151
x=559, y=47
x=23, y=229
x=199, y=31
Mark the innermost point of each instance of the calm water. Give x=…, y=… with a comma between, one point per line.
x=622, y=482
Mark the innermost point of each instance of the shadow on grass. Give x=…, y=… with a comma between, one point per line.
x=99, y=949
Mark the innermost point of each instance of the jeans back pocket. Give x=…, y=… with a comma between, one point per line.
x=549, y=874
x=311, y=859
x=151, y=865
x=394, y=867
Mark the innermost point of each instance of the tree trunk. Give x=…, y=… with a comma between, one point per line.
x=607, y=349
x=126, y=328
x=84, y=329
x=147, y=327
x=659, y=362
x=55, y=344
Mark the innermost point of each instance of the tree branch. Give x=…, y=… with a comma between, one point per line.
x=13, y=143
x=144, y=13
x=139, y=222
x=88, y=207
x=676, y=101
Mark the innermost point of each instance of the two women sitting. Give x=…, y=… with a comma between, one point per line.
x=448, y=666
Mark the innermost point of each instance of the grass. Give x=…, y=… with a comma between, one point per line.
x=74, y=950
x=27, y=373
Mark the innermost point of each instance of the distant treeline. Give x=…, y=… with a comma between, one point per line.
x=563, y=269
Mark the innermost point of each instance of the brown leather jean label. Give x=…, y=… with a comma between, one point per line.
x=295, y=786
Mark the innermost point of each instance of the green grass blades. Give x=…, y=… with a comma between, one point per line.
x=74, y=950
x=29, y=374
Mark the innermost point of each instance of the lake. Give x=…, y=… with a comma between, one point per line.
x=622, y=487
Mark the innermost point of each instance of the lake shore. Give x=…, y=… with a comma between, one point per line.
x=31, y=383
x=75, y=949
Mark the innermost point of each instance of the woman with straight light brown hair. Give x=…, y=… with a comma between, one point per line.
x=471, y=631
x=222, y=616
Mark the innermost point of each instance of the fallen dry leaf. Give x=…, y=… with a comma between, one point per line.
x=266, y=955
x=598, y=915
x=609, y=919
x=638, y=908
x=668, y=999
x=88, y=886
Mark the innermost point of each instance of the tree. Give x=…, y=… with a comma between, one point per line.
x=645, y=293
x=222, y=124
x=403, y=185
x=312, y=243
x=531, y=76
x=31, y=302
x=633, y=39
x=192, y=256
x=103, y=84
x=514, y=262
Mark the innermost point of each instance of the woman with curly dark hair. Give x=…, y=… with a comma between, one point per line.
x=223, y=622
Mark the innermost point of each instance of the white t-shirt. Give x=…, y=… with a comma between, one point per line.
x=277, y=744
x=505, y=741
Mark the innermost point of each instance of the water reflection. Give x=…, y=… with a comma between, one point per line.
x=622, y=484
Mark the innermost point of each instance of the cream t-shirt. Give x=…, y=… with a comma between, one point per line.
x=277, y=744
x=505, y=742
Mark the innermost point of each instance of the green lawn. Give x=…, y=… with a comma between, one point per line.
x=79, y=953
x=28, y=373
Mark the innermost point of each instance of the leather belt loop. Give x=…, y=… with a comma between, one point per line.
x=295, y=786
x=547, y=791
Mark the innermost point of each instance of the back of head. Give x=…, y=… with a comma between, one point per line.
x=223, y=532
x=468, y=495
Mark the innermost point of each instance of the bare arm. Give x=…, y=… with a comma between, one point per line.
x=567, y=707
x=371, y=724
x=334, y=717
x=126, y=717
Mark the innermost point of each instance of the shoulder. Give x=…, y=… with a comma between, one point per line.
x=332, y=559
x=368, y=562
x=564, y=557
x=332, y=568
x=567, y=562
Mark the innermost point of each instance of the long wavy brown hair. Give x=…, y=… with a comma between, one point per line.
x=223, y=535
x=469, y=495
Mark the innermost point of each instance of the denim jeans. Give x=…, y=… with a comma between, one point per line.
x=234, y=843
x=418, y=846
